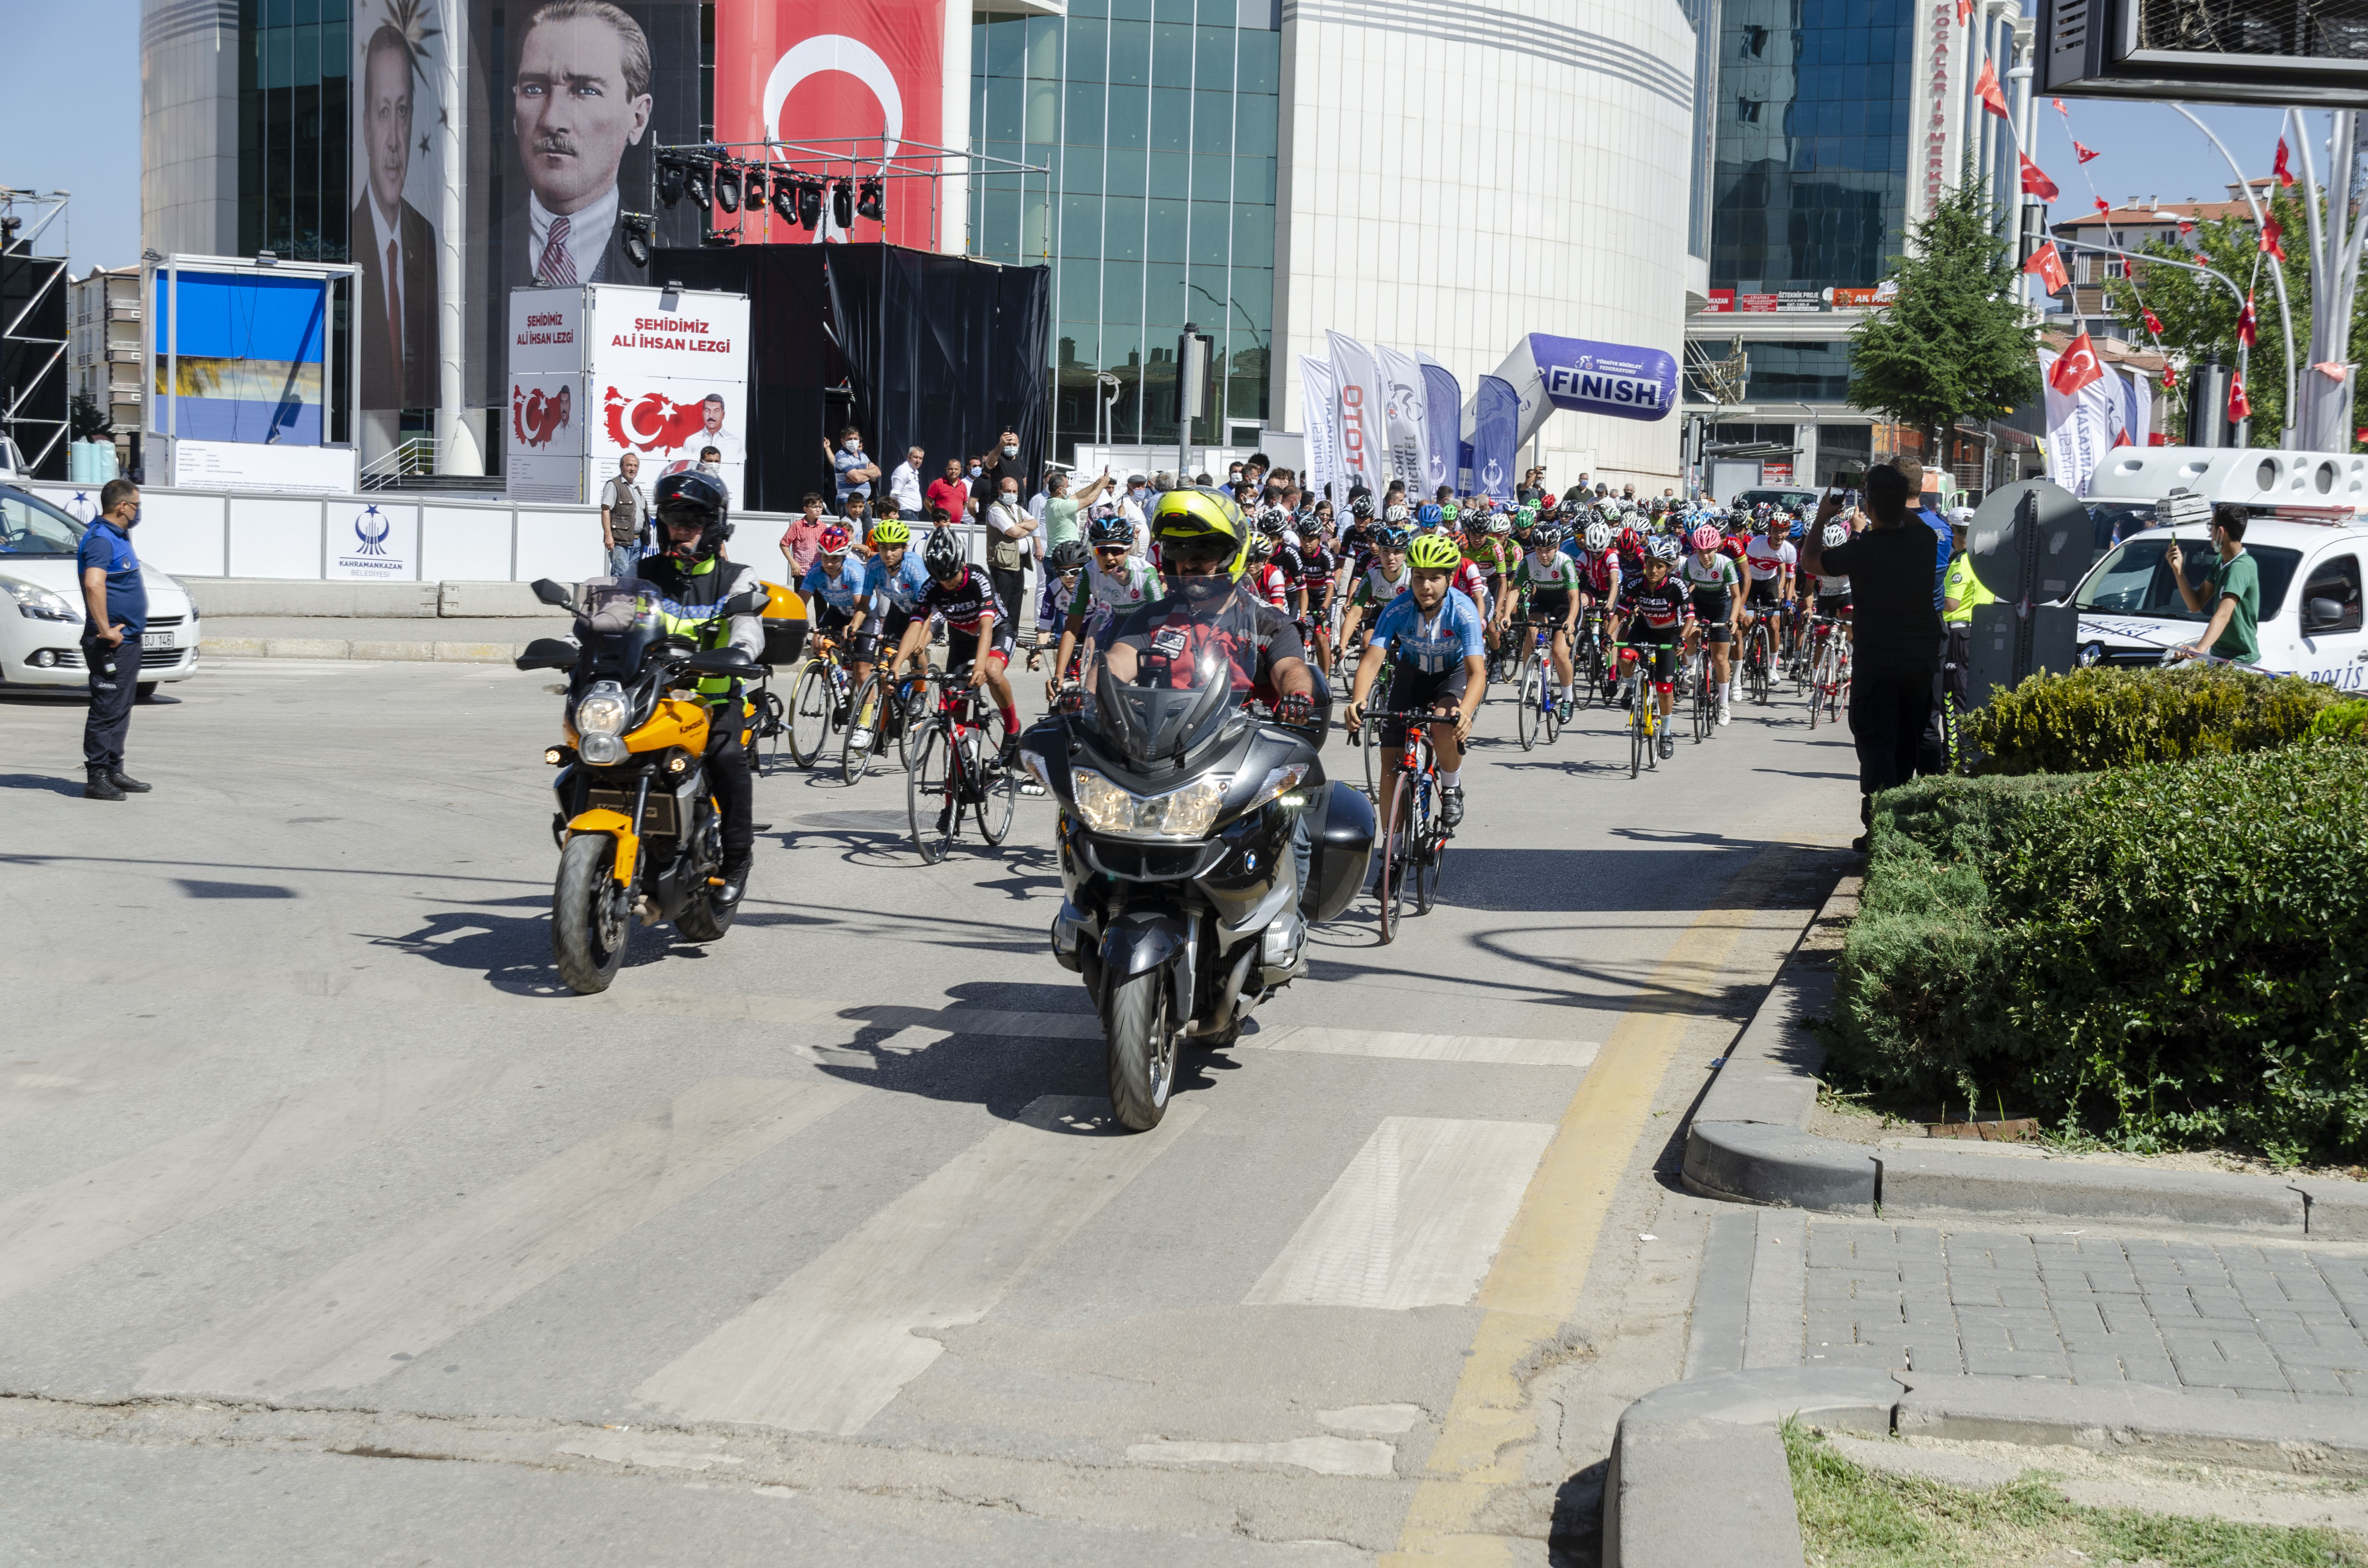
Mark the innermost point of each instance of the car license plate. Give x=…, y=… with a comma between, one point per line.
x=155, y=639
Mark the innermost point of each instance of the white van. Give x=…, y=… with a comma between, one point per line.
x=2307, y=534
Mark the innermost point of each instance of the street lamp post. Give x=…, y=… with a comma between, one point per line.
x=2277, y=273
x=2244, y=357
x=2334, y=279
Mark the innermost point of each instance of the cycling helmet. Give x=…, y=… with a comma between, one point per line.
x=1066, y=557
x=1111, y=533
x=1837, y=535
x=1395, y=517
x=1705, y=537
x=1434, y=552
x=1598, y=537
x=943, y=556
x=1360, y=504
x=1260, y=546
x=1198, y=524
x=1449, y=511
x=834, y=541
x=1664, y=548
x=1526, y=515
x=693, y=496
x=1800, y=529
x=1500, y=523
x=1429, y=515
x=1391, y=536
x=1546, y=538
x=889, y=532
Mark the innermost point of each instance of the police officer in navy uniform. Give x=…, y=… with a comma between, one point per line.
x=116, y=612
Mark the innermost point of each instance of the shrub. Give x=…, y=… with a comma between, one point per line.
x=2174, y=953
x=2342, y=722
x=2102, y=718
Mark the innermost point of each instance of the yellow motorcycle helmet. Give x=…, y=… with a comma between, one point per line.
x=1197, y=516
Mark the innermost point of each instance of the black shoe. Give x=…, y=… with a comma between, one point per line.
x=125, y=782
x=736, y=879
x=1451, y=805
x=98, y=786
x=1009, y=755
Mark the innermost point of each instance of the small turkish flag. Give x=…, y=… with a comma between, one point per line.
x=2247, y=331
x=2036, y=181
x=2049, y=267
x=2286, y=175
x=1993, y=98
x=2061, y=109
x=2333, y=369
x=2077, y=367
x=2086, y=152
x=2153, y=321
x=2238, y=408
x=2272, y=232
x=2187, y=225
x=2104, y=206
x=1964, y=9
x=2169, y=377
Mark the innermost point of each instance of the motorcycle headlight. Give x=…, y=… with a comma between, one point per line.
x=603, y=712
x=601, y=751
x=38, y=603
x=1277, y=781
x=1034, y=763
x=1188, y=812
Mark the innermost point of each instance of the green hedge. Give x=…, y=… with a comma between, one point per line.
x=2169, y=954
x=2342, y=722
x=2102, y=718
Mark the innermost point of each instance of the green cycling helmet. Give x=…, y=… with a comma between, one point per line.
x=1525, y=516
x=1449, y=513
x=1434, y=552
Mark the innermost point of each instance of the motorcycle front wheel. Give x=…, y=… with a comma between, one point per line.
x=591, y=917
x=1142, y=1049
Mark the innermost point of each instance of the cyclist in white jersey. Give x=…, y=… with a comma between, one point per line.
x=1716, y=590
x=1383, y=580
x=1115, y=580
x=1771, y=561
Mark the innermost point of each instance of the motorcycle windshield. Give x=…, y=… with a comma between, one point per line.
x=1161, y=689
x=619, y=615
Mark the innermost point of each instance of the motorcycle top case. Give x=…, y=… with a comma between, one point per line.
x=1340, y=835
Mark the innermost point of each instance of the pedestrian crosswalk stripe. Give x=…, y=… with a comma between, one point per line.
x=1327, y=1041
x=830, y=1347
x=52, y=1229
x=404, y=1295
x=1413, y=1221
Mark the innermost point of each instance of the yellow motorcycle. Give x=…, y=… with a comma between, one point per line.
x=637, y=828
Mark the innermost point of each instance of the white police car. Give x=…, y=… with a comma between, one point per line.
x=42, y=604
x=2311, y=609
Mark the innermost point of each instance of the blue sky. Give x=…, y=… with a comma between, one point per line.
x=79, y=128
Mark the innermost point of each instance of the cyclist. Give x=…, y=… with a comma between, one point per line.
x=1263, y=579
x=1116, y=582
x=975, y=636
x=844, y=597
x=1714, y=589
x=1317, y=567
x=1491, y=555
x=898, y=580
x=1770, y=559
x=1431, y=633
x=1553, y=588
x=1600, y=574
x=1064, y=565
x=1654, y=608
x=1383, y=580
x=1834, y=593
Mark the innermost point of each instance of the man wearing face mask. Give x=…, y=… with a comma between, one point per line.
x=988, y=481
x=1010, y=534
x=856, y=471
x=116, y=605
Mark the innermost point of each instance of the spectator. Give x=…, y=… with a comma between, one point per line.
x=858, y=524
x=115, y=601
x=711, y=464
x=987, y=484
x=802, y=542
x=1134, y=504
x=2232, y=590
x=905, y=481
x=1162, y=483
x=624, y=516
x=949, y=497
x=856, y=471
x=1010, y=535
x=1062, y=509
x=1233, y=476
x=1897, y=631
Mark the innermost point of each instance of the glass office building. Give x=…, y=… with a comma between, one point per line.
x=292, y=120
x=1158, y=205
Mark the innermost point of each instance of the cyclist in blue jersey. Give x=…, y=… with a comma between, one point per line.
x=898, y=581
x=842, y=602
x=1432, y=634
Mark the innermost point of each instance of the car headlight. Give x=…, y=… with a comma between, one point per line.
x=1277, y=781
x=1187, y=813
x=601, y=751
x=603, y=712
x=39, y=603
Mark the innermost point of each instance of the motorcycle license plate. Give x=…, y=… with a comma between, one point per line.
x=155, y=639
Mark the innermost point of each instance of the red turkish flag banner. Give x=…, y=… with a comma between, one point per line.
x=2050, y=269
x=826, y=74
x=2286, y=175
x=2272, y=232
x=2086, y=152
x=2240, y=407
x=1993, y=98
x=2247, y=330
x=2187, y=225
x=1964, y=9
x=2104, y=206
x=2169, y=377
x=2036, y=181
x=2153, y=321
x=2077, y=367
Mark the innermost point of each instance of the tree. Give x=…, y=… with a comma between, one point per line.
x=1955, y=342
x=89, y=420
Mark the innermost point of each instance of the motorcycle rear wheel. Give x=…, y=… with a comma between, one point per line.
x=591, y=917
x=1142, y=1049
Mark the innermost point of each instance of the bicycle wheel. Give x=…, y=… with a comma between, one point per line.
x=929, y=805
x=1640, y=729
x=1549, y=707
x=1527, y=682
x=772, y=729
x=1588, y=684
x=997, y=792
x=1391, y=888
x=1429, y=840
x=1705, y=706
x=810, y=706
x=1818, y=672
x=1841, y=685
x=865, y=715
x=914, y=722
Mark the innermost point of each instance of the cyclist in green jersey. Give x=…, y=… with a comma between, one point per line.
x=1384, y=579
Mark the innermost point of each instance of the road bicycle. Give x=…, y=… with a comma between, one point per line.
x=1643, y=712
x=1534, y=709
x=954, y=770
x=768, y=724
x=1760, y=659
x=818, y=698
x=882, y=710
x=1830, y=670
x=1700, y=683
x=1377, y=700
x=1587, y=657
x=1414, y=840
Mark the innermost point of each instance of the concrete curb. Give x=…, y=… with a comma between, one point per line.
x=1747, y=1142
x=340, y=648
x=1697, y=1472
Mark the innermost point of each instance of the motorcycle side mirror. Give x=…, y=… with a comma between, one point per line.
x=549, y=653
x=748, y=601
x=553, y=594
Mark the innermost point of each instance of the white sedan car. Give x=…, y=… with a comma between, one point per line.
x=41, y=607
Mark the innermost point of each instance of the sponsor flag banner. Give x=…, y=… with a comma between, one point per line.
x=1363, y=415
x=1443, y=412
x=1316, y=409
x=1495, y=438
x=1409, y=434
x=1615, y=379
x=2076, y=437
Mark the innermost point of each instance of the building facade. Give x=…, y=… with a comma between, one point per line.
x=103, y=351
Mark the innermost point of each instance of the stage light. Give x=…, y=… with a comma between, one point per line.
x=809, y=202
x=752, y=187
x=873, y=202
x=694, y=184
x=639, y=228
x=727, y=186
x=785, y=196
x=670, y=179
x=842, y=203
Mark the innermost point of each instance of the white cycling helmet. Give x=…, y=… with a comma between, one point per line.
x=1396, y=516
x=1500, y=522
x=1836, y=536
x=1598, y=537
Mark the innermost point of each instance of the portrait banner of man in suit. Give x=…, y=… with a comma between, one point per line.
x=396, y=339
x=579, y=97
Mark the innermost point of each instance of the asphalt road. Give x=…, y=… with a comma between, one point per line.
x=817, y=1244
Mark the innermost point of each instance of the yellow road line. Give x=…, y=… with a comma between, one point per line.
x=1534, y=1288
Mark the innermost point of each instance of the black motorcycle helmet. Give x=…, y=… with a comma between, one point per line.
x=692, y=497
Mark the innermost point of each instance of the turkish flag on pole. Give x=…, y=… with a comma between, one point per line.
x=2169, y=377
x=2036, y=181
x=1993, y=99
x=2187, y=225
x=2272, y=232
x=2077, y=367
x=2086, y=152
x=2238, y=407
x=2049, y=267
x=2104, y=206
x=2248, y=331
x=2286, y=175
x=1964, y=9
x=2153, y=321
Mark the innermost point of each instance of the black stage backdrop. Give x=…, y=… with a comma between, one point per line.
x=911, y=348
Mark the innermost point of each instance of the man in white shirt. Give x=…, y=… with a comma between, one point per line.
x=904, y=481
x=579, y=97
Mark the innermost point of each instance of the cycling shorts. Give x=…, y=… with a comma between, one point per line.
x=1836, y=607
x=1659, y=647
x=1550, y=606
x=1764, y=595
x=1414, y=690
x=1711, y=607
x=894, y=623
x=961, y=647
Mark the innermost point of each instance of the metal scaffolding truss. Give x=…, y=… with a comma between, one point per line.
x=33, y=325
